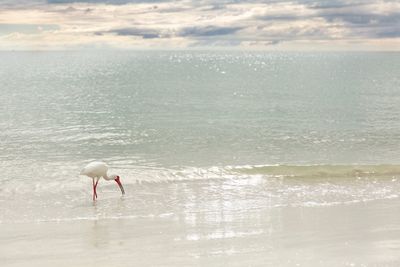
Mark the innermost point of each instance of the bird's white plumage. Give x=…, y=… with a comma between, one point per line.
x=98, y=169
x=95, y=169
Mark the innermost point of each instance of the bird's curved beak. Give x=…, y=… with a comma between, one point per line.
x=120, y=185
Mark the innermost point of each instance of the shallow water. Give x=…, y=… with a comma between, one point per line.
x=163, y=192
x=233, y=230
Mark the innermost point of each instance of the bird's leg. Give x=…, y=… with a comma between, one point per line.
x=94, y=191
x=95, y=186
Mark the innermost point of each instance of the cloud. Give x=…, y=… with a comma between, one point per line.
x=201, y=23
x=391, y=33
x=207, y=31
x=144, y=33
x=6, y=28
x=368, y=20
x=110, y=2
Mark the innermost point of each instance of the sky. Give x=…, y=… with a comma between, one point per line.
x=355, y=25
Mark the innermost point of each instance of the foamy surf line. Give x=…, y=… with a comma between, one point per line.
x=131, y=175
x=278, y=171
x=319, y=171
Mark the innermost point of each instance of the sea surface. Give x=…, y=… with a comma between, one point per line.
x=220, y=145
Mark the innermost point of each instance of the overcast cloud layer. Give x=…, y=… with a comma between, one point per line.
x=282, y=25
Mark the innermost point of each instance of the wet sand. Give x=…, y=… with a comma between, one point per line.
x=358, y=234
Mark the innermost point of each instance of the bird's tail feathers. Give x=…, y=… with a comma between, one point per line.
x=82, y=171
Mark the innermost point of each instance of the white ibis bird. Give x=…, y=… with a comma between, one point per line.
x=96, y=170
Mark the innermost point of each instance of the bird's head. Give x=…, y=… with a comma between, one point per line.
x=116, y=178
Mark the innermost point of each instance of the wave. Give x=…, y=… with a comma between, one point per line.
x=69, y=180
x=246, y=171
x=320, y=171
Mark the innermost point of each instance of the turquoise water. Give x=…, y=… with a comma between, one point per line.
x=182, y=115
x=200, y=108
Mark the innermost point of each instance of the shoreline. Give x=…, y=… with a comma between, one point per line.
x=360, y=233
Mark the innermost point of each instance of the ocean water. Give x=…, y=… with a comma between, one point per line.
x=184, y=115
x=218, y=145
